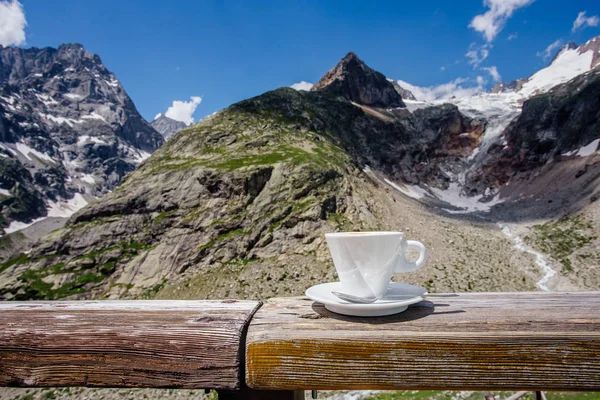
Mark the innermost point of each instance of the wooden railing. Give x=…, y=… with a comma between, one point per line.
x=246, y=349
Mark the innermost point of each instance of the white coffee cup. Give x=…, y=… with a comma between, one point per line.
x=365, y=261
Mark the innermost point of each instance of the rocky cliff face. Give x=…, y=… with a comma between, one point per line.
x=166, y=126
x=561, y=124
x=354, y=80
x=68, y=132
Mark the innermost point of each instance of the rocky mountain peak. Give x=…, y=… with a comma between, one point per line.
x=592, y=45
x=167, y=126
x=353, y=79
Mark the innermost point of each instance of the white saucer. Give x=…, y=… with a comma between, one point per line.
x=322, y=294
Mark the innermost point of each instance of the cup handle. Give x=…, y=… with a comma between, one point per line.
x=403, y=265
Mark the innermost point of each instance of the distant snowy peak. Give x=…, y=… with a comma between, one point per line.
x=167, y=126
x=570, y=61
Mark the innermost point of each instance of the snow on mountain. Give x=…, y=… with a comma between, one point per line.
x=498, y=108
x=567, y=65
x=68, y=133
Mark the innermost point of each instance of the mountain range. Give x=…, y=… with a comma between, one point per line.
x=68, y=134
x=237, y=204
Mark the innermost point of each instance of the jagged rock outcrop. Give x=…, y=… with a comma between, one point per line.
x=166, y=126
x=512, y=86
x=68, y=132
x=552, y=126
x=354, y=80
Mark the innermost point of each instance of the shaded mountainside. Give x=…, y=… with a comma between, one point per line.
x=68, y=132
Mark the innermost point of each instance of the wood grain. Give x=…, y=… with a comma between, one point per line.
x=174, y=344
x=511, y=341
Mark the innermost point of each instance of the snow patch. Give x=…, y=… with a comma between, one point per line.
x=67, y=208
x=584, y=151
x=47, y=100
x=60, y=120
x=412, y=105
x=113, y=82
x=412, y=191
x=94, y=115
x=4, y=192
x=17, y=225
x=140, y=155
x=73, y=96
x=83, y=139
x=26, y=151
x=465, y=204
x=88, y=178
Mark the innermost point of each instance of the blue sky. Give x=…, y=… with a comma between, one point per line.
x=225, y=51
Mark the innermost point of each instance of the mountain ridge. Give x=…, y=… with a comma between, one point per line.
x=68, y=131
x=247, y=194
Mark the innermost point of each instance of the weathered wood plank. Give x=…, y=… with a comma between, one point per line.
x=175, y=344
x=512, y=341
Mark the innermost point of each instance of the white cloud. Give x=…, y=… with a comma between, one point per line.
x=549, y=50
x=302, y=86
x=12, y=23
x=442, y=68
x=476, y=55
x=481, y=81
x=493, y=71
x=492, y=21
x=512, y=36
x=184, y=110
x=453, y=88
x=582, y=21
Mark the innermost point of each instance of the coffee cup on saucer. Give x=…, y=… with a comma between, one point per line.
x=366, y=261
